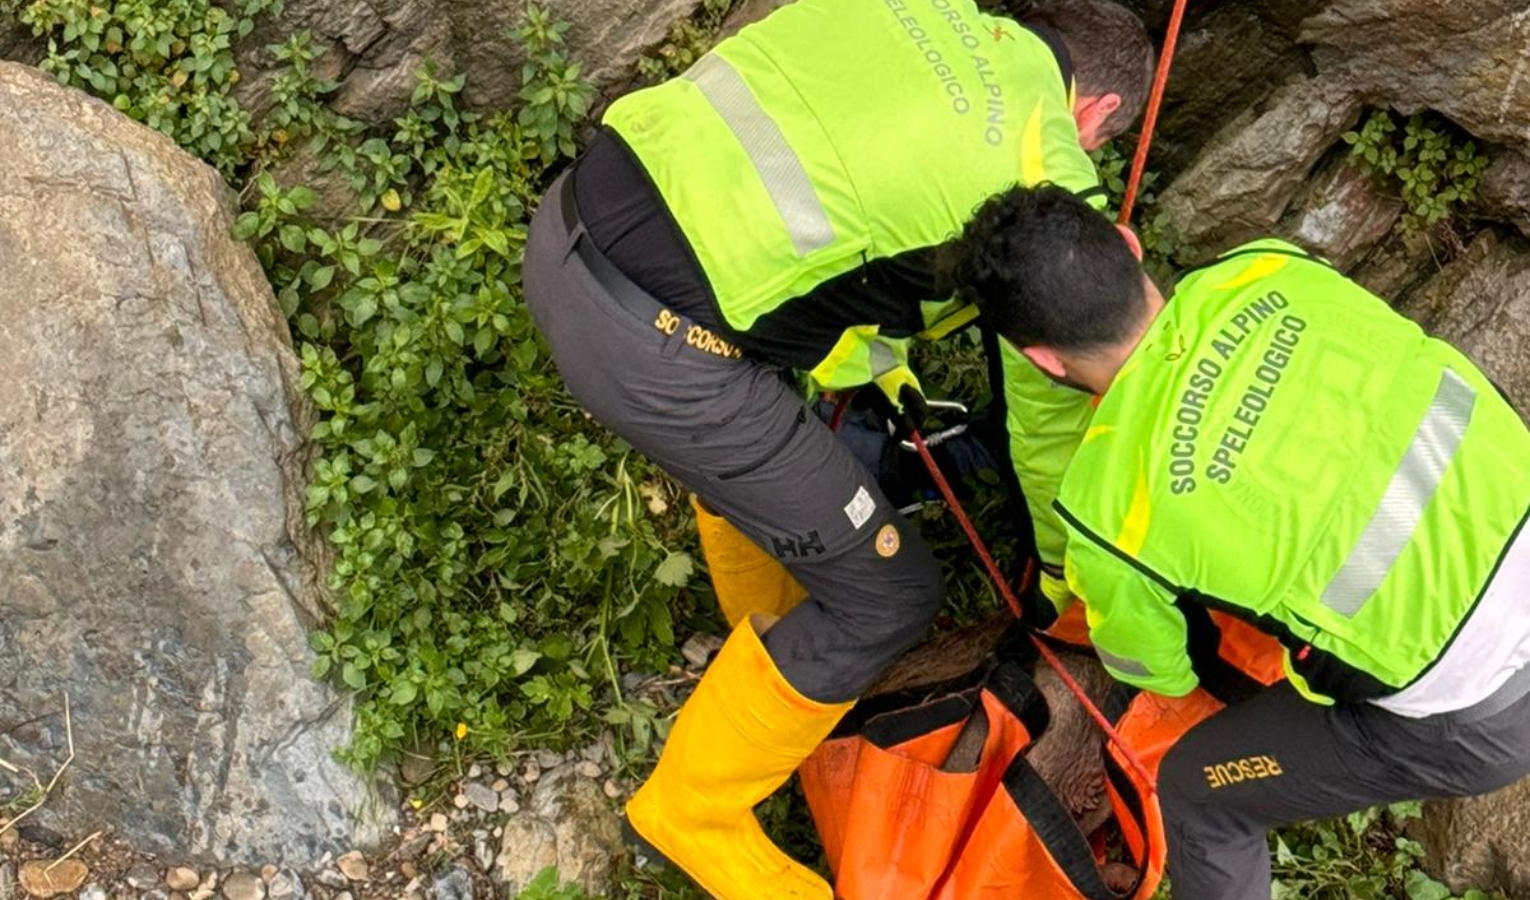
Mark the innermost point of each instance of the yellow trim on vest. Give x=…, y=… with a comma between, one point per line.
x=1261, y=267
x=1134, y=528
x=1033, y=165
x=956, y=321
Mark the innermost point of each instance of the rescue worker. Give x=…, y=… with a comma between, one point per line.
x=779, y=206
x=1279, y=444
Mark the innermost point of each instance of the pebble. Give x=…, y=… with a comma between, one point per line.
x=353, y=866
x=93, y=892
x=500, y=785
x=532, y=771
x=244, y=886
x=460, y=801
x=475, y=771
x=7, y=881
x=182, y=878
x=699, y=649
x=331, y=879
x=509, y=803
x=499, y=831
x=345, y=895
x=438, y=822
x=504, y=769
x=201, y=893
x=612, y=789
x=267, y=872
x=142, y=876
x=453, y=884
x=154, y=894
x=8, y=838
x=284, y=885
x=548, y=759
x=480, y=796
x=588, y=769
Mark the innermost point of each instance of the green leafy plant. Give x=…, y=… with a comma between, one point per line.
x=1429, y=163
x=498, y=556
x=556, y=96
x=1162, y=243
x=166, y=63
x=687, y=41
x=1362, y=856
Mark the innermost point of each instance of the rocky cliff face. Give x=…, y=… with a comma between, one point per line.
x=154, y=568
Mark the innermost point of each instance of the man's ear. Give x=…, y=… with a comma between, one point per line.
x=1089, y=114
x=1131, y=239
x=1046, y=359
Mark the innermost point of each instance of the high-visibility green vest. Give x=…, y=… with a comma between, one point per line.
x=1284, y=446
x=837, y=132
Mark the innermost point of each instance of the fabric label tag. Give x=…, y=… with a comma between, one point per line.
x=860, y=507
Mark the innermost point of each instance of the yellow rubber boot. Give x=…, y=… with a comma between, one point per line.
x=737, y=739
x=746, y=579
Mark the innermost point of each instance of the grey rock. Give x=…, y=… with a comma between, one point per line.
x=92, y=892
x=568, y=823
x=1226, y=63
x=151, y=542
x=455, y=883
x=377, y=45
x=1470, y=61
x=1249, y=172
x=285, y=885
x=143, y=876
x=332, y=879
x=7, y=881
x=699, y=649
x=154, y=894
x=481, y=796
x=1397, y=265
x=1503, y=192
x=1342, y=216
x=1479, y=842
x=1481, y=304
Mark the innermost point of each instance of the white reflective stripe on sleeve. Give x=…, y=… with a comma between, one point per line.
x=785, y=179
x=1490, y=647
x=1123, y=665
x=1391, y=527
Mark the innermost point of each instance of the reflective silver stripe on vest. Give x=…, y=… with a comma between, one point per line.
x=883, y=359
x=1123, y=665
x=774, y=160
x=1407, y=494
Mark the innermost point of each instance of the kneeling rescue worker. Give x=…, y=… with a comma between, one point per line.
x=1278, y=444
x=779, y=206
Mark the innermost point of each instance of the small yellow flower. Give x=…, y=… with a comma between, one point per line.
x=462, y=730
x=391, y=201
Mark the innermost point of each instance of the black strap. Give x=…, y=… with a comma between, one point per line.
x=1056, y=830
x=611, y=280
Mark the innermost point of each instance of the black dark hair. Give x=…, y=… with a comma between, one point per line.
x=1045, y=268
x=1109, y=49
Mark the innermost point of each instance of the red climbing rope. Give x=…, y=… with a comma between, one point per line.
x=1150, y=120
x=1139, y=163
x=1014, y=605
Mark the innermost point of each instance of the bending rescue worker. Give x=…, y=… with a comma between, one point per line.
x=780, y=206
x=1279, y=444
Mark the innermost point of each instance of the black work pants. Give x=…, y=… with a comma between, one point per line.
x=735, y=432
x=1278, y=758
